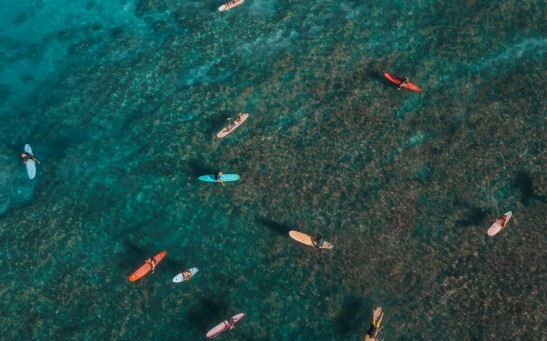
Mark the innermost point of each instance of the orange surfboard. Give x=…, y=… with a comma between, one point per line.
x=308, y=240
x=146, y=268
x=398, y=80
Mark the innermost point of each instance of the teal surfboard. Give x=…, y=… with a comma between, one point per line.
x=223, y=177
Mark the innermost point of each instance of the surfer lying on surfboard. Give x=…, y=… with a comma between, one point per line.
x=27, y=156
x=377, y=317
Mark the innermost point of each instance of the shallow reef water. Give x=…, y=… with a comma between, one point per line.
x=121, y=102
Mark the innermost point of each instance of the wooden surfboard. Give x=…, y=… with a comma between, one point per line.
x=229, y=5
x=227, y=130
x=308, y=240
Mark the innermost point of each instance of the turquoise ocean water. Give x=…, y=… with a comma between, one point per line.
x=121, y=101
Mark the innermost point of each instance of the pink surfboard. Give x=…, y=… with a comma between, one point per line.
x=224, y=326
x=499, y=224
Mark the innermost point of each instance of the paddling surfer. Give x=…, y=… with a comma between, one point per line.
x=377, y=317
x=405, y=81
x=218, y=177
x=152, y=263
x=27, y=156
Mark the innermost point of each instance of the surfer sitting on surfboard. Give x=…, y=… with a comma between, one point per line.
x=318, y=241
x=187, y=274
x=152, y=263
x=405, y=81
x=502, y=219
x=231, y=323
x=239, y=118
x=236, y=122
x=27, y=156
x=218, y=178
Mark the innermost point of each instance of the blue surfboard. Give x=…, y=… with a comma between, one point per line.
x=223, y=177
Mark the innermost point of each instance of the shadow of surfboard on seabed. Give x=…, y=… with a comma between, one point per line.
x=274, y=226
x=197, y=168
x=354, y=316
x=209, y=311
x=132, y=256
x=219, y=121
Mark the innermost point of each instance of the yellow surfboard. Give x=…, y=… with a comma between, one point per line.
x=308, y=240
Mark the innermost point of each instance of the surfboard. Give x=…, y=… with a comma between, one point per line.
x=398, y=80
x=224, y=326
x=227, y=130
x=146, y=268
x=308, y=240
x=229, y=5
x=499, y=224
x=31, y=165
x=182, y=277
x=223, y=177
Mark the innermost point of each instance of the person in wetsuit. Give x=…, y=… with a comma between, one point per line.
x=318, y=241
x=405, y=81
x=27, y=156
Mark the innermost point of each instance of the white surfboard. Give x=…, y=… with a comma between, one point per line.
x=229, y=5
x=31, y=165
x=183, y=277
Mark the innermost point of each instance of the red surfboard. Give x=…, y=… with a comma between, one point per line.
x=398, y=80
x=146, y=268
